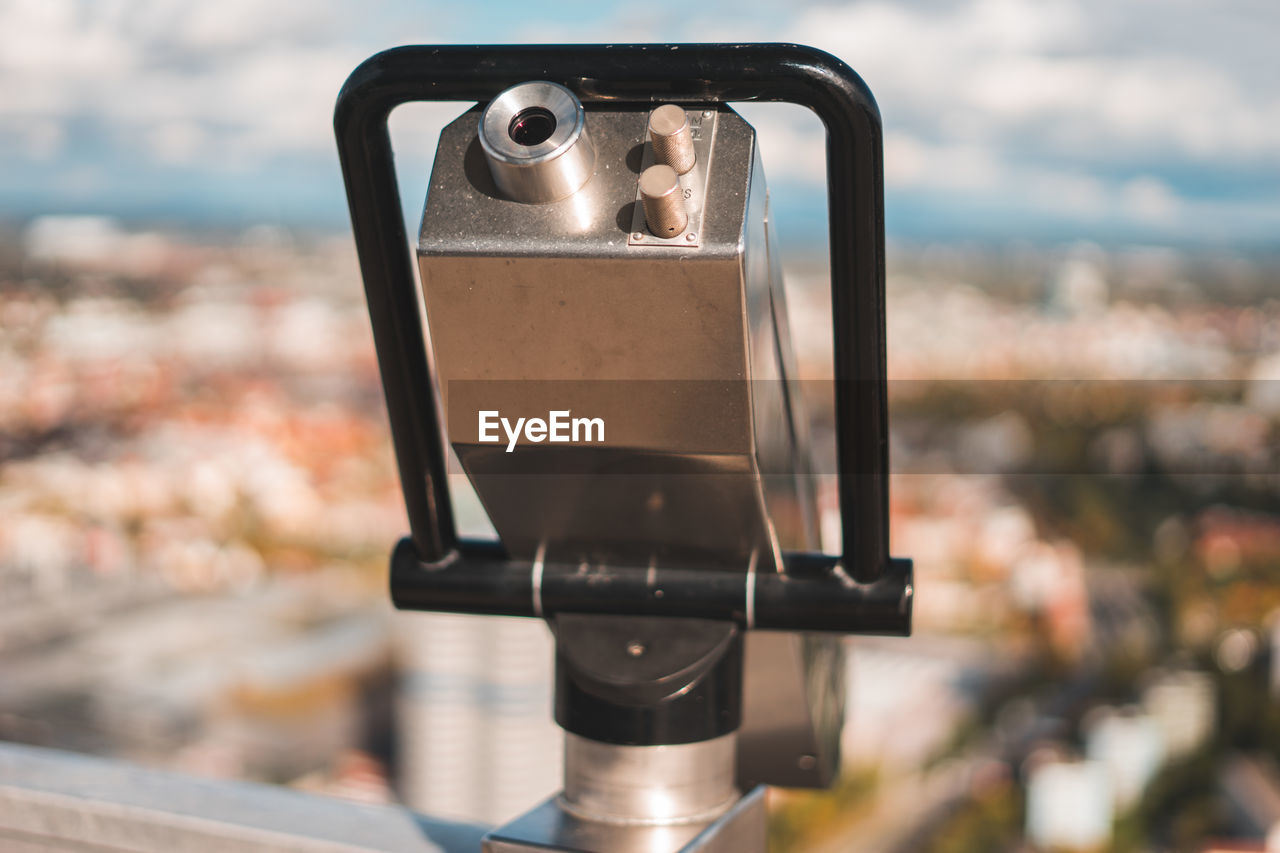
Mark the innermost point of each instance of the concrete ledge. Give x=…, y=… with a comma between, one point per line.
x=53, y=800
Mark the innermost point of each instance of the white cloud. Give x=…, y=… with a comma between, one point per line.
x=1071, y=194
x=1044, y=71
x=231, y=24
x=1149, y=199
x=177, y=141
x=37, y=140
x=1061, y=106
x=911, y=162
x=792, y=141
x=239, y=79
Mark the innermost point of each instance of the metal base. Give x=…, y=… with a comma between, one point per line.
x=549, y=827
x=651, y=785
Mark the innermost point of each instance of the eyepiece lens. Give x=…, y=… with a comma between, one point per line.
x=532, y=126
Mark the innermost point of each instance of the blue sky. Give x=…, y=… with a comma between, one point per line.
x=1126, y=121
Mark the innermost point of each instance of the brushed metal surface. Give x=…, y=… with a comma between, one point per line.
x=701, y=132
x=685, y=354
x=466, y=214
x=534, y=308
x=741, y=829
x=792, y=710
x=551, y=168
x=635, y=785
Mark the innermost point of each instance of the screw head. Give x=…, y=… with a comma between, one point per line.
x=639, y=235
x=706, y=113
x=691, y=237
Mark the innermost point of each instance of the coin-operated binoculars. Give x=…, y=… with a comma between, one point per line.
x=610, y=361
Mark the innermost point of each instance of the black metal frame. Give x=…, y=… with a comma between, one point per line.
x=440, y=572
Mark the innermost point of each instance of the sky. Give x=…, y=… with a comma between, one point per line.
x=1118, y=121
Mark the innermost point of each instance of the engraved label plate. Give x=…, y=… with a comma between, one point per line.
x=702, y=129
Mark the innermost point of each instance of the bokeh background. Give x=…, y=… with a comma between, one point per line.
x=197, y=493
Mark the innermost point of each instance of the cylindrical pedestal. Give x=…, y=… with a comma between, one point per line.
x=639, y=785
x=650, y=707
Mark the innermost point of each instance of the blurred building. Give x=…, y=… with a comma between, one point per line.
x=1275, y=655
x=269, y=686
x=1251, y=788
x=906, y=699
x=1183, y=705
x=1131, y=748
x=192, y=440
x=478, y=741
x=1069, y=806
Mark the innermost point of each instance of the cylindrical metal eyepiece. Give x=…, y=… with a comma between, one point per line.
x=534, y=136
x=663, y=199
x=672, y=140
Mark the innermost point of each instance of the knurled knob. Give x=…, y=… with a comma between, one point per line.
x=663, y=201
x=672, y=140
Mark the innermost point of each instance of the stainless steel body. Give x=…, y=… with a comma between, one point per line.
x=645, y=785
x=693, y=593
x=682, y=351
x=543, y=308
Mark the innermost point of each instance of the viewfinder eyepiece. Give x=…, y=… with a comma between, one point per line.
x=534, y=136
x=532, y=126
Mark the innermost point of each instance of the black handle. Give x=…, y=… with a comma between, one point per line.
x=627, y=74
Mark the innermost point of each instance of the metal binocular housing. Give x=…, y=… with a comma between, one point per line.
x=610, y=362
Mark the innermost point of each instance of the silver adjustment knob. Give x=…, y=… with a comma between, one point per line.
x=663, y=201
x=672, y=140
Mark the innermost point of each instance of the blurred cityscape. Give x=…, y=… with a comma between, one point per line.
x=198, y=498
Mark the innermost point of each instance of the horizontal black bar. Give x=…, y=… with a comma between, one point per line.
x=814, y=594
